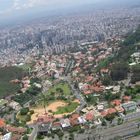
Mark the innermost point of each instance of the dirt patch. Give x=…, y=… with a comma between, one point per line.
x=53, y=106
x=40, y=111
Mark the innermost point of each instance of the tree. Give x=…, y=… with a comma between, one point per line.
x=28, y=118
x=24, y=111
x=119, y=71
x=91, y=99
x=44, y=99
x=104, y=123
x=106, y=80
x=136, y=73
x=31, y=112
x=110, y=117
x=109, y=96
x=25, y=137
x=120, y=121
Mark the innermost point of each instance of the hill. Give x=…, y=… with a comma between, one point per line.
x=6, y=75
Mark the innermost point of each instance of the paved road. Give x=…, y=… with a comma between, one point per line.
x=34, y=132
x=135, y=115
x=123, y=130
x=119, y=131
x=77, y=94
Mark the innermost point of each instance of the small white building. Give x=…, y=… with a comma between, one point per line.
x=65, y=123
x=81, y=120
x=15, y=105
x=7, y=136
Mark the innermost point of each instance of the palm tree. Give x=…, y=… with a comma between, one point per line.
x=43, y=99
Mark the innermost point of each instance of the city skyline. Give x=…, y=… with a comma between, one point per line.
x=12, y=10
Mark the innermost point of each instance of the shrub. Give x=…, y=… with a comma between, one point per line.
x=28, y=118
x=24, y=111
x=31, y=112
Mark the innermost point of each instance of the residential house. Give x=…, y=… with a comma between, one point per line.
x=126, y=98
x=7, y=136
x=44, y=128
x=119, y=109
x=56, y=126
x=89, y=116
x=74, y=119
x=3, y=104
x=15, y=105
x=116, y=89
x=16, y=130
x=129, y=106
x=82, y=120
x=116, y=102
x=100, y=107
x=2, y=123
x=65, y=123
x=45, y=119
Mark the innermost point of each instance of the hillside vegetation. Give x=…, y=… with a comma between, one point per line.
x=121, y=60
x=6, y=75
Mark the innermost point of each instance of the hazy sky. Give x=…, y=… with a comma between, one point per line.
x=8, y=6
x=9, y=9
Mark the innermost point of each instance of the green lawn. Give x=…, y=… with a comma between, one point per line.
x=68, y=108
x=64, y=86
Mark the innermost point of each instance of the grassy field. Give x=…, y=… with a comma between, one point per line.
x=64, y=86
x=6, y=75
x=67, y=109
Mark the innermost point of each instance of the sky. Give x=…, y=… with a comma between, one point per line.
x=8, y=6
x=12, y=9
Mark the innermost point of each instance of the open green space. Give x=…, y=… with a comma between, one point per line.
x=67, y=109
x=61, y=88
x=6, y=75
x=58, y=92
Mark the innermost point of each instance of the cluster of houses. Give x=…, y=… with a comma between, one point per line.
x=5, y=104
x=10, y=132
x=135, y=58
x=88, y=81
x=89, y=116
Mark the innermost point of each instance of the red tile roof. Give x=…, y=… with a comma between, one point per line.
x=104, y=113
x=74, y=119
x=89, y=78
x=126, y=98
x=18, y=130
x=87, y=92
x=111, y=111
x=89, y=116
x=104, y=70
x=45, y=118
x=2, y=123
x=116, y=102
